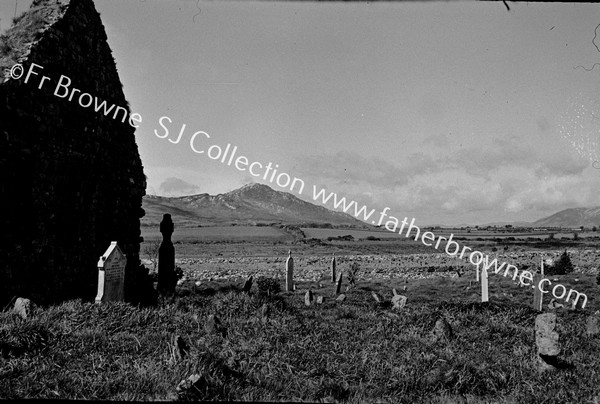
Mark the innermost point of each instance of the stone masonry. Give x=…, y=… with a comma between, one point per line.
x=72, y=179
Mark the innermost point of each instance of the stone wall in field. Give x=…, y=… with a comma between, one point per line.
x=72, y=179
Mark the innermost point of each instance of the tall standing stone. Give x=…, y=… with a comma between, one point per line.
x=538, y=297
x=546, y=339
x=484, y=286
x=167, y=279
x=338, y=286
x=333, y=265
x=289, y=269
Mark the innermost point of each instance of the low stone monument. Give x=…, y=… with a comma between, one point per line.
x=546, y=340
x=111, y=275
x=593, y=324
x=308, y=297
x=248, y=285
x=23, y=307
x=442, y=330
x=166, y=257
x=398, y=301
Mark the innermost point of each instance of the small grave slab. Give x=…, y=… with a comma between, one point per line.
x=593, y=324
x=111, y=275
x=308, y=298
x=248, y=285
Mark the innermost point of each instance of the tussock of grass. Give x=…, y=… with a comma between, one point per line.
x=351, y=351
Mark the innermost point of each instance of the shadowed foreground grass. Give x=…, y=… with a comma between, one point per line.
x=351, y=351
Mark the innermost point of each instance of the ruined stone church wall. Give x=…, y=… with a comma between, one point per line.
x=72, y=178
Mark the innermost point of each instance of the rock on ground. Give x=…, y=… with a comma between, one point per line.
x=24, y=307
x=442, y=330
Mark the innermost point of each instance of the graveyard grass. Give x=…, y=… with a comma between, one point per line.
x=350, y=351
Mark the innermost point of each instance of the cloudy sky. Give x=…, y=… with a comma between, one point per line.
x=449, y=112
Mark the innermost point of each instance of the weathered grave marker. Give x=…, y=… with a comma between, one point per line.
x=546, y=339
x=338, y=286
x=289, y=267
x=398, y=301
x=484, y=286
x=538, y=296
x=248, y=285
x=333, y=267
x=308, y=297
x=111, y=274
x=167, y=280
x=376, y=297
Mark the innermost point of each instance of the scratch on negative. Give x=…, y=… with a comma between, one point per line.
x=199, y=11
x=588, y=70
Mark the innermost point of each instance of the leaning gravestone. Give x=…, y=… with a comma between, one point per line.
x=167, y=280
x=338, y=286
x=111, y=274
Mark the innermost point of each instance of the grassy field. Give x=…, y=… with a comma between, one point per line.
x=350, y=351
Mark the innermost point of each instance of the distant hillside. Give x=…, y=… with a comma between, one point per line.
x=573, y=217
x=251, y=204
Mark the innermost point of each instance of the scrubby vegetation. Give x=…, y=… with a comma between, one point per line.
x=561, y=267
x=277, y=349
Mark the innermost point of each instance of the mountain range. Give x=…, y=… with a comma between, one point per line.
x=251, y=204
x=573, y=217
x=259, y=204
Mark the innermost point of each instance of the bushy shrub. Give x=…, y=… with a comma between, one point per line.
x=353, y=273
x=268, y=286
x=562, y=266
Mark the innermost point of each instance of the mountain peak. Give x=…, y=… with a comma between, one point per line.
x=252, y=203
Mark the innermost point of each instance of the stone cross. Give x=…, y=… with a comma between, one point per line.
x=289, y=267
x=167, y=279
x=111, y=274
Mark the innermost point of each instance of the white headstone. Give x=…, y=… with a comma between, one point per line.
x=111, y=274
x=484, y=285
